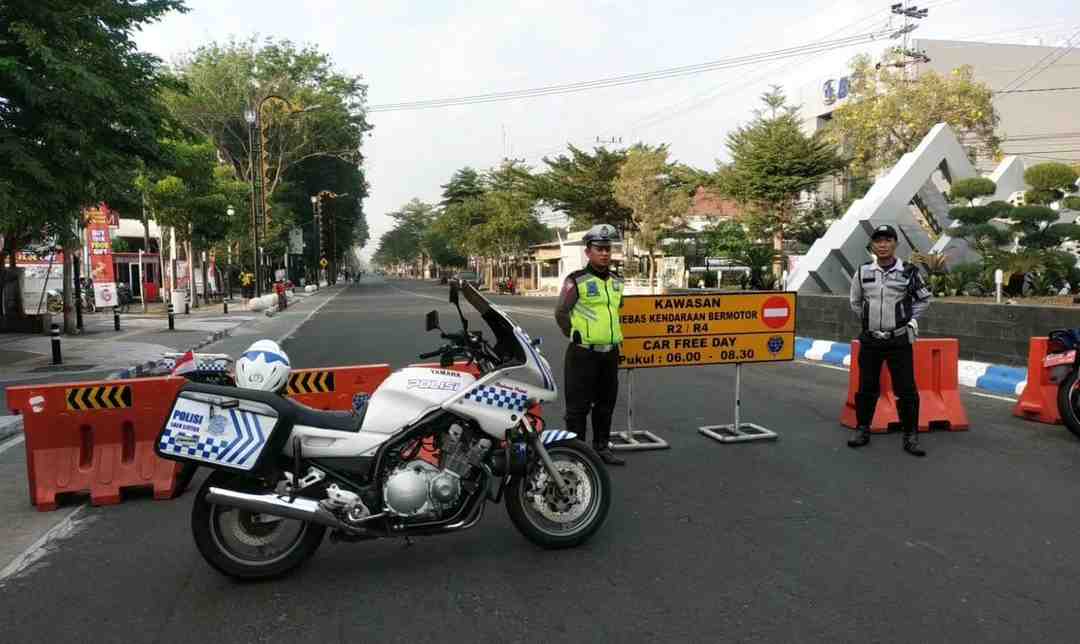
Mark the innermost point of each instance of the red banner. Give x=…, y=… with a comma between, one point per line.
x=101, y=259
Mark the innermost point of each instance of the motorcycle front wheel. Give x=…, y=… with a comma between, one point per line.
x=1069, y=402
x=247, y=545
x=544, y=515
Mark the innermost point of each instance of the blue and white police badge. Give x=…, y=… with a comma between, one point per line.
x=592, y=289
x=776, y=344
x=216, y=426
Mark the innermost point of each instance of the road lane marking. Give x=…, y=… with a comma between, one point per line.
x=8, y=444
x=41, y=548
x=291, y=332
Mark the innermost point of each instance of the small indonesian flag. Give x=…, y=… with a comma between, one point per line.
x=184, y=364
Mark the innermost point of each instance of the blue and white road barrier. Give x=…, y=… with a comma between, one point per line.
x=998, y=379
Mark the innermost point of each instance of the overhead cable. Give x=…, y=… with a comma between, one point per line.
x=616, y=81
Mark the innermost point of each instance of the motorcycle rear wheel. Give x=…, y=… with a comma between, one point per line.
x=1069, y=402
x=546, y=518
x=243, y=544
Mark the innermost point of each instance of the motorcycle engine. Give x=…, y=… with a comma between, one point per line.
x=419, y=489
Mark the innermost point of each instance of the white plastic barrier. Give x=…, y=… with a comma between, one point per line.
x=178, y=299
x=256, y=304
x=310, y=288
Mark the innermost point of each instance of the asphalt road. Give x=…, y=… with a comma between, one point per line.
x=798, y=540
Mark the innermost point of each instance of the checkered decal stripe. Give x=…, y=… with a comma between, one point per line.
x=206, y=448
x=498, y=397
x=200, y=365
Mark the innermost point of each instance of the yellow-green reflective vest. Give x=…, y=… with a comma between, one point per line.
x=596, y=314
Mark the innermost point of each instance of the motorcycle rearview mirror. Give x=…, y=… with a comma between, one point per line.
x=432, y=321
x=455, y=301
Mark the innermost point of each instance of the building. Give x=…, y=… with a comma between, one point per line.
x=1037, y=95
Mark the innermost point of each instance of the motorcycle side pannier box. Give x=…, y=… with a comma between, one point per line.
x=226, y=428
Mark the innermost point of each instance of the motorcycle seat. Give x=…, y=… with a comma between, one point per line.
x=342, y=421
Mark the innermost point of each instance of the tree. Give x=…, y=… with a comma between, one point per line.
x=223, y=81
x=79, y=104
x=1049, y=182
x=464, y=184
x=889, y=113
x=645, y=186
x=971, y=189
x=1035, y=225
x=773, y=164
x=344, y=214
x=194, y=195
x=582, y=185
x=976, y=227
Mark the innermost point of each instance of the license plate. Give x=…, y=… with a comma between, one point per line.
x=1055, y=359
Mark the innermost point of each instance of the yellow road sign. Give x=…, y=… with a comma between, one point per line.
x=713, y=328
x=651, y=316
x=682, y=351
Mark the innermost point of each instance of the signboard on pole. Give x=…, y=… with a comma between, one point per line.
x=714, y=328
x=98, y=221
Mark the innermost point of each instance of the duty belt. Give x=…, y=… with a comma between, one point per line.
x=885, y=335
x=599, y=348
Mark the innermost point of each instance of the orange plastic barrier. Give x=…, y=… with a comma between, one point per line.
x=334, y=388
x=937, y=379
x=1038, y=402
x=95, y=437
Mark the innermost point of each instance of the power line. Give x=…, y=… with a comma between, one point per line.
x=616, y=81
x=1039, y=66
x=1041, y=89
x=705, y=98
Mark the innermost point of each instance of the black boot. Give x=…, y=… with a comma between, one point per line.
x=911, y=444
x=608, y=455
x=861, y=438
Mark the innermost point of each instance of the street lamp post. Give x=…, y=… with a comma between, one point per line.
x=315, y=209
x=256, y=147
x=230, y=211
x=255, y=172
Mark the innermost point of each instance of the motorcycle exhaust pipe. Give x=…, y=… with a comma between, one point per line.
x=300, y=508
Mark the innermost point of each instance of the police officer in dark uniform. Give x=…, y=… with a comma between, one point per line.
x=890, y=296
x=588, y=314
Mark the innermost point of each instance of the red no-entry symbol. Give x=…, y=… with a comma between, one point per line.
x=775, y=312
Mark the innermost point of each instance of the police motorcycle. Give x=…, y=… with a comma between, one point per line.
x=1062, y=363
x=430, y=448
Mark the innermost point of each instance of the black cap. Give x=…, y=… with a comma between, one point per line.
x=884, y=230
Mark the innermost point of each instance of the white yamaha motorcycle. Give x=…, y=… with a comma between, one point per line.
x=430, y=449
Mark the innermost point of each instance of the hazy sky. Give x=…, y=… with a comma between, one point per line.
x=413, y=50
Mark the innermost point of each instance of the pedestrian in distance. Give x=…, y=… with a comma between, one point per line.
x=588, y=314
x=890, y=296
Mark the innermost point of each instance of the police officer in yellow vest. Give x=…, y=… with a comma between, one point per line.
x=588, y=314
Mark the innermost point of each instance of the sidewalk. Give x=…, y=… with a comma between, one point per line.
x=101, y=352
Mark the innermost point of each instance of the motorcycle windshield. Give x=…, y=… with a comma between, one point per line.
x=513, y=345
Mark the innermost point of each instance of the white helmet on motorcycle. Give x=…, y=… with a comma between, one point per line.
x=264, y=366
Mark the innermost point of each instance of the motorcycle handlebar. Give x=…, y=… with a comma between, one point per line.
x=430, y=354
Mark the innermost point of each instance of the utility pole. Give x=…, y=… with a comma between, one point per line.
x=907, y=56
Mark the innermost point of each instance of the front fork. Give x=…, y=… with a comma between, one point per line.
x=545, y=458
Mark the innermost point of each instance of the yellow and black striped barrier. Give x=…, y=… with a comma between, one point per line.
x=311, y=382
x=98, y=397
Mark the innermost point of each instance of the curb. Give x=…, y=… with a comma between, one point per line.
x=144, y=369
x=997, y=379
x=10, y=425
